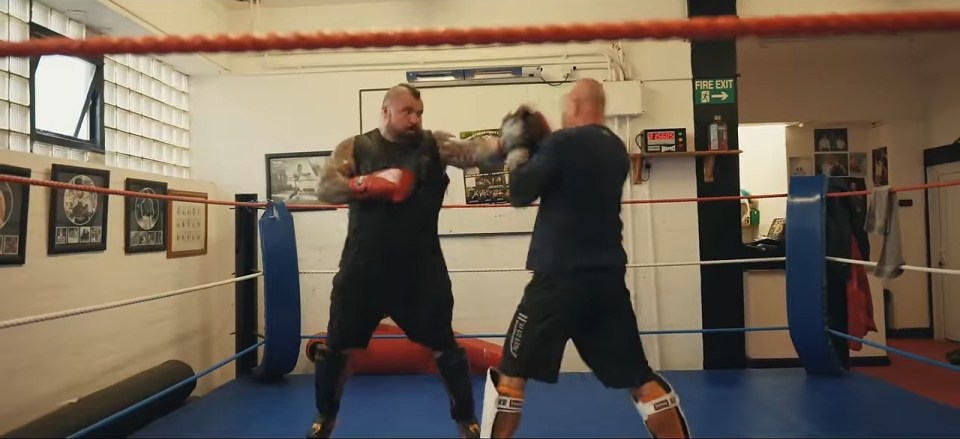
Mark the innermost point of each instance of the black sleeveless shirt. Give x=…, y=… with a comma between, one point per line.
x=384, y=232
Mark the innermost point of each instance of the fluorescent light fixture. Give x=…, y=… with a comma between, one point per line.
x=473, y=74
x=434, y=75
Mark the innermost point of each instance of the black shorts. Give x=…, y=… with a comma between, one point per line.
x=592, y=309
x=418, y=298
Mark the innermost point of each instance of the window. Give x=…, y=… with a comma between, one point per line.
x=66, y=98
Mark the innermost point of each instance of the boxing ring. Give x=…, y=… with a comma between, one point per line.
x=821, y=398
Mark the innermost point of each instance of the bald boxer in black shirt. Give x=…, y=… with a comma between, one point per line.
x=576, y=254
x=394, y=179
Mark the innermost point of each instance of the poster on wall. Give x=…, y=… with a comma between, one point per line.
x=880, y=169
x=145, y=218
x=294, y=177
x=830, y=140
x=78, y=219
x=485, y=184
x=14, y=204
x=858, y=164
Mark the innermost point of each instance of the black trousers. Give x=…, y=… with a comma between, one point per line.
x=594, y=310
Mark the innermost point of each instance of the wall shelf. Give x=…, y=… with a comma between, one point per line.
x=639, y=158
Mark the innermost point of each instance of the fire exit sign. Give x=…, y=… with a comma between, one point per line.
x=714, y=91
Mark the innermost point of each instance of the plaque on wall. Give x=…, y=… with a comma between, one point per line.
x=78, y=218
x=186, y=225
x=14, y=204
x=145, y=218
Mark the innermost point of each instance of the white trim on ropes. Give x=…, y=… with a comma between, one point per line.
x=904, y=267
x=646, y=265
x=78, y=311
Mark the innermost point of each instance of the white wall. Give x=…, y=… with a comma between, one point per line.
x=238, y=119
x=942, y=98
x=763, y=168
x=48, y=364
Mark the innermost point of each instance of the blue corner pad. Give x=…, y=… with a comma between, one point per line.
x=281, y=292
x=806, y=275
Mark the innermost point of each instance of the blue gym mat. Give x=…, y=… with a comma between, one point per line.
x=725, y=403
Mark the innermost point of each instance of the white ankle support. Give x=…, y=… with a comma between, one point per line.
x=658, y=405
x=509, y=404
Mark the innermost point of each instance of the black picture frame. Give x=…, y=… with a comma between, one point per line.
x=281, y=185
x=14, y=209
x=80, y=231
x=830, y=140
x=144, y=219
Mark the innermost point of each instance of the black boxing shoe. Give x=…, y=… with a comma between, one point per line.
x=469, y=429
x=322, y=427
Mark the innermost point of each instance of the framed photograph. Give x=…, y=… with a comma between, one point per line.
x=801, y=166
x=858, y=164
x=145, y=219
x=293, y=178
x=832, y=165
x=831, y=140
x=14, y=205
x=186, y=225
x=78, y=219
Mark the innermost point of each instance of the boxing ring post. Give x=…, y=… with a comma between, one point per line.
x=245, y=242
x=806, y=275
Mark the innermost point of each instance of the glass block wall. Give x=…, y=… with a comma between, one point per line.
x=146, y=118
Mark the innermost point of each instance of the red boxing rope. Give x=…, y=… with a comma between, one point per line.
x=697, y=28
x=123, y=193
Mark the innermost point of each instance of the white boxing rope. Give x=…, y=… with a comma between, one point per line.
x=646, y=265
x=903, y=267
x=78, y=311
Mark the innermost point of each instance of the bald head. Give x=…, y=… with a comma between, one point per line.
x=590, y=92
x=584, y=104
x=401, y=113
x=398, y=91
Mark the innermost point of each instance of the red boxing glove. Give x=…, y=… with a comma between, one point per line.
x=394, y=184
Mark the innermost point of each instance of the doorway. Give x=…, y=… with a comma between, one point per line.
x=944, y=226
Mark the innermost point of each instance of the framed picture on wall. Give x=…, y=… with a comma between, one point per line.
x=832, y=164
x=14, y=205
x=858, y=164
x=485, y=184
x=830, y=140
x=78, y=218
x=144, y=218
x=294, y=178
x=186, y=225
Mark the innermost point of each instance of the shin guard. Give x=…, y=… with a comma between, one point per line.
x=454, y=368
x=497, y=399
x=330, y=374
x=661, y=412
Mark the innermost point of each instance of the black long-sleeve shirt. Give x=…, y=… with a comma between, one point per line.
x=578, y=174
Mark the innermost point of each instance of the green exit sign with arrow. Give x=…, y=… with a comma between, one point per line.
x=714, y=91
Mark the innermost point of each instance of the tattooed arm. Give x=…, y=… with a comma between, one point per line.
x=468, y=153
x=334, y=187
x=340, y=183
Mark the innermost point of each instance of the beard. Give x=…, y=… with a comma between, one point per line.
x=410, y=134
